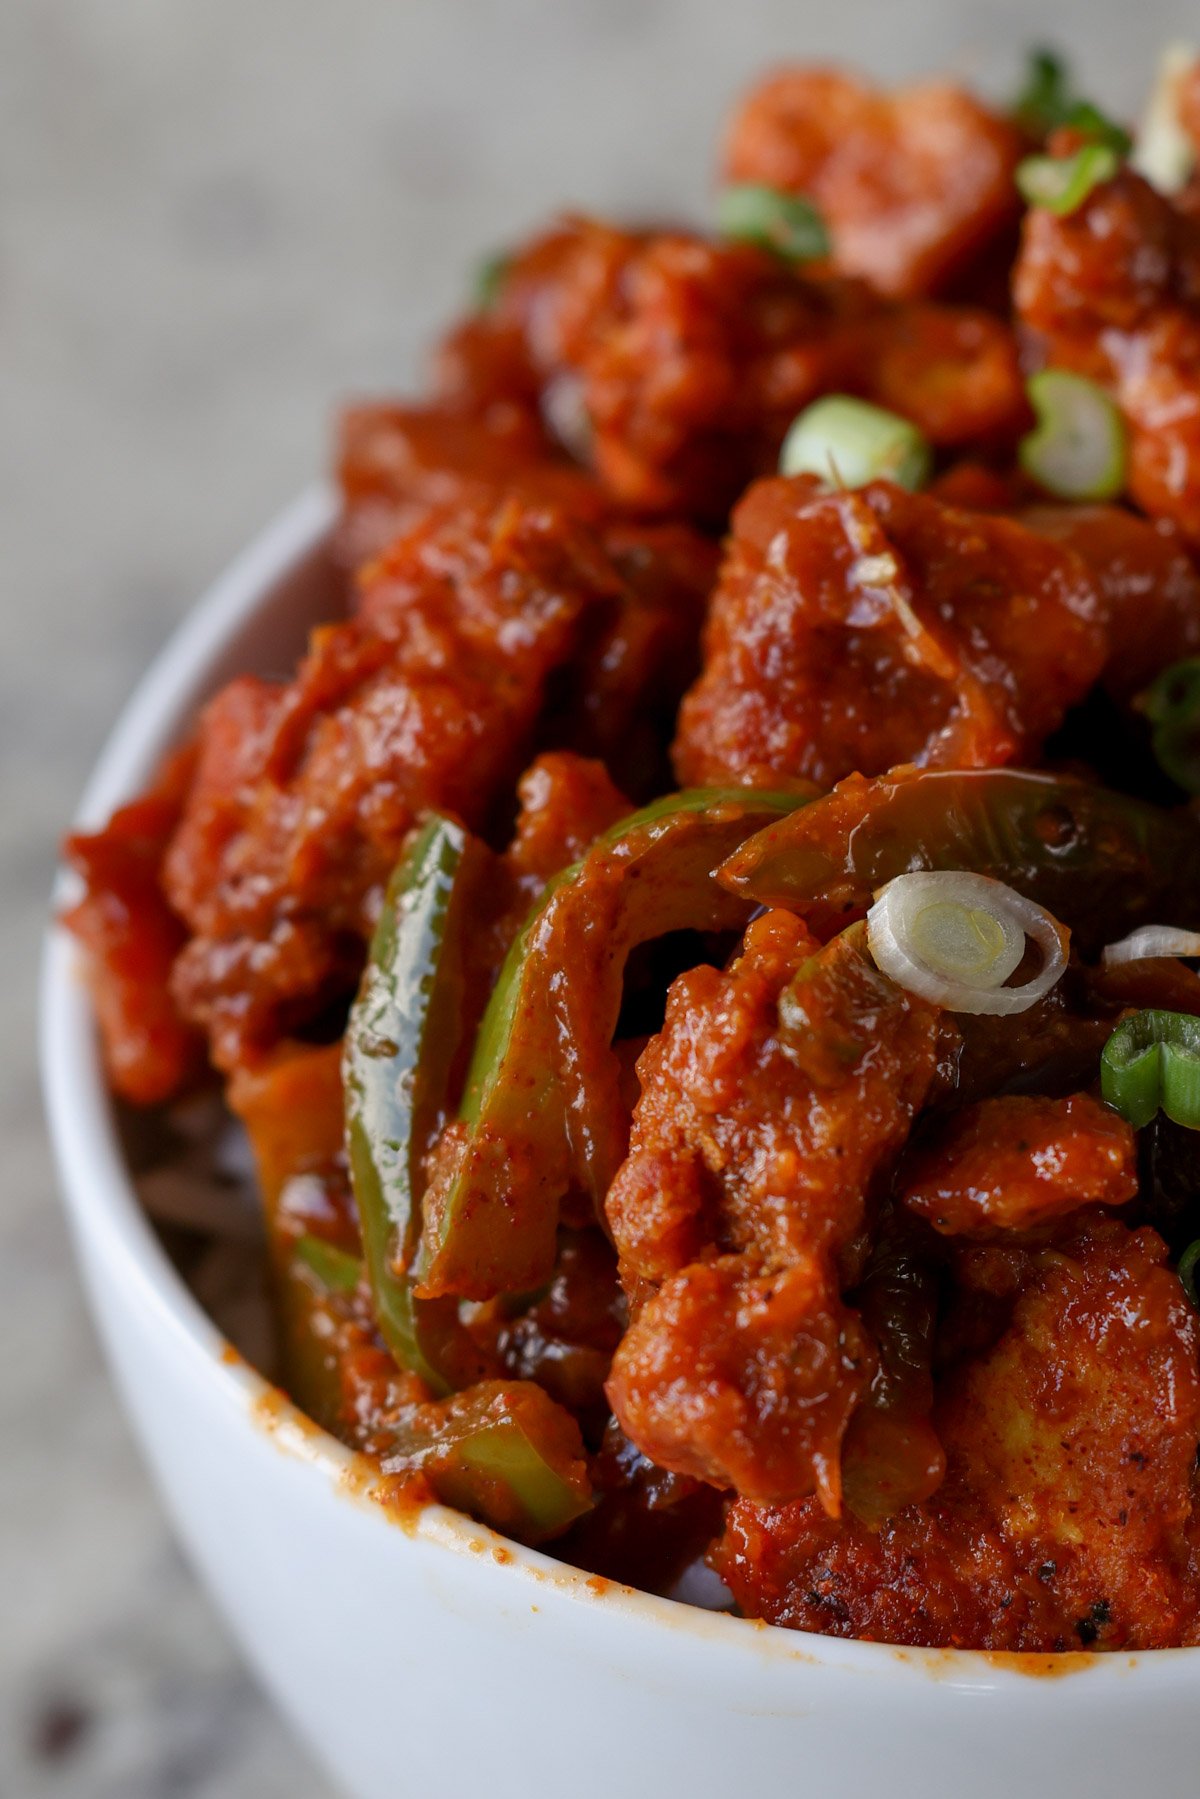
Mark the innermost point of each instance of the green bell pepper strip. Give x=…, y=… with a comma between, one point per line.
x=504, y=1452
x=336, y=1270
x=1151, y=1063
x=1100, y=861
x=403, y=1031
x=541, y=1111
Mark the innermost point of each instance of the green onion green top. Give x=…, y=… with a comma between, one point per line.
x=1044, y=99
x=1151, y=1063
x=1172, y=705
x=1098, y=128
x=1048, y=100
x=788, y=224
x=1188, y=1271
x=1077, y=450
x=849, y=442
x=489, y=280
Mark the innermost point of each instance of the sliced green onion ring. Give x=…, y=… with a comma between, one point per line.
x=1172, y=705
x=1151, y=1063
x=848, y=442
x=1150, y=941
x=750, y=212
x=1188, y=1270
x=1078, y=448
x=1061, y=184
x=954, y=938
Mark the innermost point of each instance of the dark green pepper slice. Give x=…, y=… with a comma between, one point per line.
x=1098, y=860
x=403, y=1031
x=541, y=1111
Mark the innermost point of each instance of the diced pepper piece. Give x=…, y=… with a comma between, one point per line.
x=542, y=1109
x=1098, y=860
x=504, y=1452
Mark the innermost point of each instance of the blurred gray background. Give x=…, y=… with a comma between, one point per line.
x=217, y=217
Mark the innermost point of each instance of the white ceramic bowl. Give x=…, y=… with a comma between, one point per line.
x=434, y=1657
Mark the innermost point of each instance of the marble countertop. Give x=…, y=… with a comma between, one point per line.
x=217, y=217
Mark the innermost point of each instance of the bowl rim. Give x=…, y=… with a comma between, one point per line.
x=101, y=1196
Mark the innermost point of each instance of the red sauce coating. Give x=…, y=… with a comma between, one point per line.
x=1019, y=1161
x=970, y=634
x=881, y=1310
x=916, y=185
x=1063, y=1519
x=132, y=937
x=1112, y=291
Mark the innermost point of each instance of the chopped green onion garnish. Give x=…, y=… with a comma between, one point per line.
x=955, y=937
x=1045, y=98
x=489, y=280
x=336, y=1269
x=1151, y=1063
x=1062, y=183
x=1077, y=450
x=1172, y=705
x=1098, y=128
x=788, y=224
x=849, y=442
x=1188, y=1271
x=1047, y=101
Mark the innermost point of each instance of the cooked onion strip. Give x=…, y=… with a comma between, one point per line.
x=1149, y=941
x=955, y=938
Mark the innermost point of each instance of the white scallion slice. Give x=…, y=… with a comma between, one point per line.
x=848, y=442
x=1149, y=941
x=1078, y=448
x=955, y=938
x=1163, y=152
